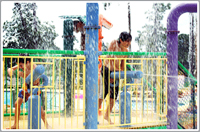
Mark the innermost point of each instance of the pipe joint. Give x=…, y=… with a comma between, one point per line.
x=172, y=32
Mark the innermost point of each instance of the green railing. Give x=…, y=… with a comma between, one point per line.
x=35, y=51
x=59, y=53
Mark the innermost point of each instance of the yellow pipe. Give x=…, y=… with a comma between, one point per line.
x=45, y=125
x=147, y=89
x=78, y=92
x=3, y=87
x=108, y=106
x=152, y=87
x=24, y=92
x=125, y=92
x=43, y=86
x=158, y=86
x=42, y=63
x=157, y=121
x=114, y=91
x=119, y=93
x=59, y=91
x=31, y=92
x=84, y=71
x=65, y=88
x=133, y=84
x=134, y=63
x=103, y=86
x=73, y=91
x=136, y=102
x=161, y=91
x=166, y=88
x=109, y=87
x=53, y=93
x=142, y=89
x=17, y=90
x=131, y=89
x=11, y=90
x=102, y=57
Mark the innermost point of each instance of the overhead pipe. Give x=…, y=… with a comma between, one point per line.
x=172, y=55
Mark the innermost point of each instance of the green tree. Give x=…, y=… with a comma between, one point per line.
x=153, y=36
x=183, y=49
x=25, y=30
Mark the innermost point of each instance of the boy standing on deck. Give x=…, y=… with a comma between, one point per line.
x=120, y=45
x=19, y=101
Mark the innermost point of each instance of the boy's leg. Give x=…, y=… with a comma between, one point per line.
x=99, y=103
x=17, y=113
x=43, y=117
x=108, y=111
x=112, y=102
x=101, y=89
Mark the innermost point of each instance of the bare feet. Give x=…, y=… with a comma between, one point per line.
x=106, y=118
x=12, y=127
x=48, y=127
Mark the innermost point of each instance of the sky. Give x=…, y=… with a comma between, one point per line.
x=117, y=14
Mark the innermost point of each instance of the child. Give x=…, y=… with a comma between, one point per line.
x=119, y=45
x=27, y=71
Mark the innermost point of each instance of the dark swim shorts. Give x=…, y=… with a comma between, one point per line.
x=105, y=75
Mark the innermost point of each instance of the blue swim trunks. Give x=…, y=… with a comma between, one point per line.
x=21, y=94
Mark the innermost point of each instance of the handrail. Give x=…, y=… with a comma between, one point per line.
x=143, y=78
x=134, y=53
x=39, y=51
x=33, y=55
x=36, y=52
x=187, y=72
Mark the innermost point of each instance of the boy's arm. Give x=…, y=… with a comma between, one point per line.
x=122, y=65
x=21, y=74
x=11, y=70
x=122, y=62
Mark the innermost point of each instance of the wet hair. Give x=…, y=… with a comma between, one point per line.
x=21, y=60
x=124, y=36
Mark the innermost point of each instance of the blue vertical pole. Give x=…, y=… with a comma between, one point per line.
x=35, y=115
x=91, y=52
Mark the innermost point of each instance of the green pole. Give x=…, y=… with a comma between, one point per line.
x=68, y=45
x=68, y=48
x=187, y=72
x=134, y=53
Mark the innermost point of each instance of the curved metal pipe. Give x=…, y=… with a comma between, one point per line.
x=172, y=20
x=172, y=55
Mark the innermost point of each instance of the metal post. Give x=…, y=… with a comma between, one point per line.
x=68, y=45
x=33, y=122
x=92, y=20
x=172, y=55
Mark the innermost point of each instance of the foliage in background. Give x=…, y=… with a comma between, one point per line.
x=153, y=36
x=183, y=49
x=25, y=30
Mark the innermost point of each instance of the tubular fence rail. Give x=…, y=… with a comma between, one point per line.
x=63, y=100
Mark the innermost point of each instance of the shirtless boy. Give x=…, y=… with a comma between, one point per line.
x=26, y=69
x=120, y=45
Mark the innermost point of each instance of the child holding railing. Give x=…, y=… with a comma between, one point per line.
x=26, y=69
x=120, y=45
